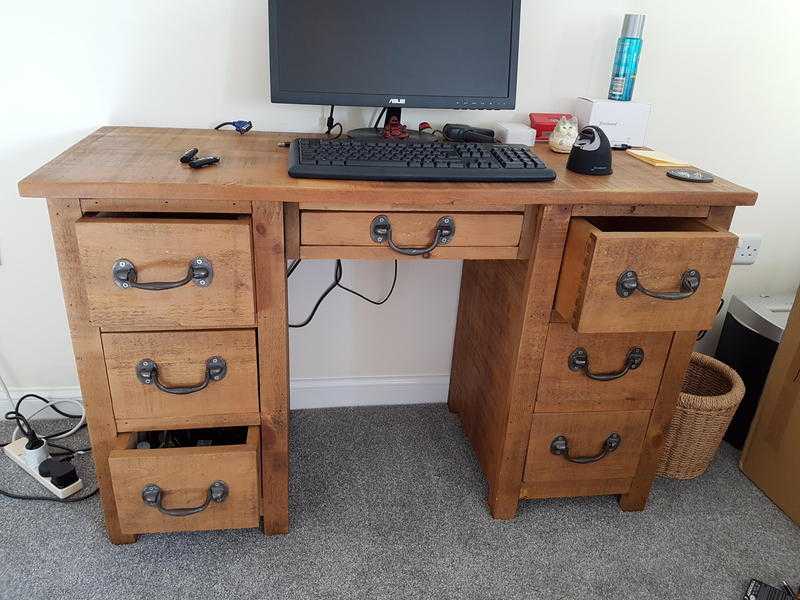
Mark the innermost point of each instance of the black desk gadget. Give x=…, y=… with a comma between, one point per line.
x=758, y=590
x=409, y=161
x=455, y=132
x=591, y=153
x=691, y=175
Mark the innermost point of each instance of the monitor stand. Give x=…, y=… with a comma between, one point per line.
x=392, y=121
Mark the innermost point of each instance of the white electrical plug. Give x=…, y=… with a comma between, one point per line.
x=35, y=456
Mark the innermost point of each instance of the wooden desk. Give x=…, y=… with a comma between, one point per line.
x=539, y=311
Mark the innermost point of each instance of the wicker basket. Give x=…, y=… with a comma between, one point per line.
x=710, y=395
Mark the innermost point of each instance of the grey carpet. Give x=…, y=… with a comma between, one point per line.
x=389, y=503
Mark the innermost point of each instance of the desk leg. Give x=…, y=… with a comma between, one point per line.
x=89, y=360
x=680, y=352
x=273, y=363
x=503, y=314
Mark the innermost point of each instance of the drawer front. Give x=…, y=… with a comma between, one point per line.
x=594, y=296
x=586, y=435
x=184, y=476
x=184, y=360
x=472, y=235
x=577, y=370
x=162, y=250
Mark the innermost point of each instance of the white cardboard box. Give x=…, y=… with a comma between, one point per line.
x=622, y=122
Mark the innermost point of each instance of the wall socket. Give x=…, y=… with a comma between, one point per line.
x=747, y=250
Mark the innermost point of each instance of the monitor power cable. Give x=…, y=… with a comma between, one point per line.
x=378, y=120
x=337, y=282
x=331, y=124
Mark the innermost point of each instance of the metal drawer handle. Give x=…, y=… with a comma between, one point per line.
x=200, y=272
x=152, y=495
x=579, y=361
x=628, y=283
x=147, y=373
x=560, y=446
x=381, y=230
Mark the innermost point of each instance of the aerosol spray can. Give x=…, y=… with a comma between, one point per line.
x=626, y=60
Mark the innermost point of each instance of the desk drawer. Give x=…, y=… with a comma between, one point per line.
x=459, y=235
x=185, y=476
x=179, y=361
x=578, y=368
x=583, y=436
x=682, y=263
x=164, y=250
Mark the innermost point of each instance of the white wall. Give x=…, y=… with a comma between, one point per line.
x=721, y=75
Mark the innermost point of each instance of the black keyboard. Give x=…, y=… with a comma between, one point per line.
x=414, y=161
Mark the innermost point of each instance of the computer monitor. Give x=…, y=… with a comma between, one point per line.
x=389, y=53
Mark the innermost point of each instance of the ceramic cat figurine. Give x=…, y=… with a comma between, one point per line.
x=564, y=135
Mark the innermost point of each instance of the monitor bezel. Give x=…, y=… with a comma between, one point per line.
x=398, y=99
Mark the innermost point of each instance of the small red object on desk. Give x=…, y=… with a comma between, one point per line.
x=544, y=123
x=394, y=130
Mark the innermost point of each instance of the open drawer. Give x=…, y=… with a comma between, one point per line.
x=457, y=235
x=640, y=274
x=212, y=484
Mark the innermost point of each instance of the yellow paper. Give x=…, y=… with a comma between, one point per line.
x=656, y=158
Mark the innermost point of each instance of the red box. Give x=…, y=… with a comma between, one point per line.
x=544, y=123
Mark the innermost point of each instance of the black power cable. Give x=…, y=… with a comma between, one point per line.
x=330, y=125
x=324, y=295
x=67, y=451
x=22, y=422
x=337, y=279
x=378, y=120
x=363, y=297
x=14, y=496
x=292, y=267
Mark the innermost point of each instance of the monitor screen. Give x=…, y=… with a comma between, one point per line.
x=416, y=53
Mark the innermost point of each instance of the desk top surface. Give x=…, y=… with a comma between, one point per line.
x=142, y=163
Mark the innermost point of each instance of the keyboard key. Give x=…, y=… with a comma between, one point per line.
x=376, y=163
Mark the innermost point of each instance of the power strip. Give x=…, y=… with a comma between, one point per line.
x=16, y=450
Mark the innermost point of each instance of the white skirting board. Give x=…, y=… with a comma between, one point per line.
x=368, y=391
x=324, y=392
